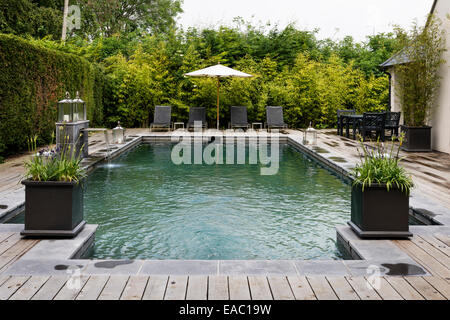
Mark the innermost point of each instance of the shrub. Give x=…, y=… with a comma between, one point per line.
x=34, y=78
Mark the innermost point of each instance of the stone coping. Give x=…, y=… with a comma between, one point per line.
x=397, y=267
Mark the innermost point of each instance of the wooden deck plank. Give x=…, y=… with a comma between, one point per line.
x=29, y=289
x=440, y=285
x=301, y=288
x=197, y=288
x=281, y=290
x=321, y=288
x=435, y=242
x=72, y=288
x=218, y=288
x=5, y=235
x=363, y=288
x=156, y=288
x=342, y=288
x=432, y=251
x=50, y=288
x=259, y=288
x=404, y=288
x=424, y=288
x=9, y=242
x=11, y=286
x=3, y=279
x=384, y=289
x=114, y=287
x=15, y=252
x=176, y=288
x=422, y=257
x=93, y=287
x=134, y=290
x=238, y=286
x=443, y=238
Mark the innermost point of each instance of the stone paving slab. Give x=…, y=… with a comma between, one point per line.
x=322, y=267
x=397, y=267
x=11, y=228
x=256, y=267
x=14, y=202
x=116, y=267
x=370, y=249
x=46, y=267
x=61, y=248
x=179, y=267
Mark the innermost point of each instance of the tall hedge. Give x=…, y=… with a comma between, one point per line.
x=32, y=80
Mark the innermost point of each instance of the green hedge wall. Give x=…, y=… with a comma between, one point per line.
x=32, y=80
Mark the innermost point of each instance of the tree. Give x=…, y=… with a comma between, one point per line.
x=109, y=17
x=419, y=77
x=30, y=18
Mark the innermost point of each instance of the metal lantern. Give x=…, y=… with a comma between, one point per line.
x=71, y=110
x=310, y=137
x=118, y=134
x=65, y=109
x=79, y=109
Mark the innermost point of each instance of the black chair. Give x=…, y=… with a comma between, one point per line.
x=372, y=122
x=275, y=119
x=341, y=120
x=163, y=117
x=239, y=118
x=393, y=122
x=197, y=115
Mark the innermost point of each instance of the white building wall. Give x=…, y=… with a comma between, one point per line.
x=440, y=115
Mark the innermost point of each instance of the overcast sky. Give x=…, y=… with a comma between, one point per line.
x=334, y=18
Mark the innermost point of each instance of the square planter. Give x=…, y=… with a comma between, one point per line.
x=53, y=209
x=378, y=213
x=417, y=139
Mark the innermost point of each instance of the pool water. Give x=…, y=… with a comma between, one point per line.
x=149, y=208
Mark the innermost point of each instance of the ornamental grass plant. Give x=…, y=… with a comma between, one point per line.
x=59, y=164
x=381, y=165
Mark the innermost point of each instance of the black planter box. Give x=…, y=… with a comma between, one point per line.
x=53, y=209
x=417, y=139
x=378, y=213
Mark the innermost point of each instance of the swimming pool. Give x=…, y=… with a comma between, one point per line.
x=147, y=207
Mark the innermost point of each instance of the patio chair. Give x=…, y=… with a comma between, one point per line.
x=239, y=118
x=372, y=122
x=393, y=122
x=163, y=117
x=275, y=118
x=197, y=114
x=341, y=120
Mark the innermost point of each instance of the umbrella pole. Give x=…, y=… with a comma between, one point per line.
x=218, y=95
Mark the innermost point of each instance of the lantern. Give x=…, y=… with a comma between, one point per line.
x=118, y=134
x=71, y=110
x=310, y=136
x=65, y=109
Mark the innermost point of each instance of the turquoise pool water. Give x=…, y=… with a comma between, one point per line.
x=149, y=208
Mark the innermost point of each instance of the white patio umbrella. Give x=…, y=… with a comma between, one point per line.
x=218, y=71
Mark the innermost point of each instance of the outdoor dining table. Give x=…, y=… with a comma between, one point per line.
x=352, y=119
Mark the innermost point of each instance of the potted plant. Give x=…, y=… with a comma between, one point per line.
x=419, y=80
x=380, y=194
x=54, y=194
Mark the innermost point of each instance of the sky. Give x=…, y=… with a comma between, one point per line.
x=334, y=18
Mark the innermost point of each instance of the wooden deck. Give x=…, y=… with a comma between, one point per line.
x=432, y=252
x=116, y=287
x=12, y=247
